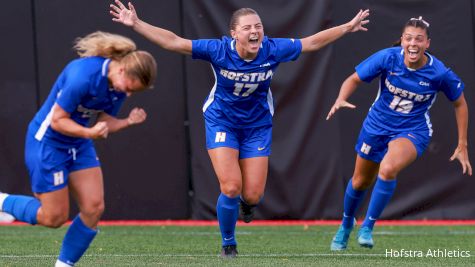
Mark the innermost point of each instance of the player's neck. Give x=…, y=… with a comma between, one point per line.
x=245, y=55
x=418, y=64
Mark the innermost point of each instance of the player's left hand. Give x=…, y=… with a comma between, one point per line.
x=339, y=104
x=461, y=154
x=356, y=24
x=136, y=116
x=121, y=14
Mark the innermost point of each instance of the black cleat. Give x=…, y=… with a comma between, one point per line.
x=229, y=252
x=247, y=211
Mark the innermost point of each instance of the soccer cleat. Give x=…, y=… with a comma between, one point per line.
x=247, y=211
x=229, y=252
x=365, y=237
x=340, y=240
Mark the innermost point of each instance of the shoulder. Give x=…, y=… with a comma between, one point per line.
x=384, y=56
x=86, y=65
x=391, y=52
x=435, y=63
x=437, y=69
x=212, y=43
x=85, y=70
x=211, y=49
x=279, y=41
x=387, y=57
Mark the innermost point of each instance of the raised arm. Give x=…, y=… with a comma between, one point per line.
x=164, y=38
x=461, y=152
x=346, y=90
x=320, y=39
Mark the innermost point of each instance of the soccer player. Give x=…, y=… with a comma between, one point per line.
x=59, y=151
x=238, y=111
x=397, y=128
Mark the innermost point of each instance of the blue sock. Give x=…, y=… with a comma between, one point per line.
x=382, y=193
x=228, y=211
x=23, y=208
x=76, y=241
x=352, y=201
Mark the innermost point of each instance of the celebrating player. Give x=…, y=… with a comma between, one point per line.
x=238, y=111
x=397, y=129
x=59, y=150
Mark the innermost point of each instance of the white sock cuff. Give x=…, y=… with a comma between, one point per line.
x=2, y=198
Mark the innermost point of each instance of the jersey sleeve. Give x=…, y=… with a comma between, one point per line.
x=372, y=67
x=286, y=49
x=205, y=49
x=71, y=93
x=452, y=85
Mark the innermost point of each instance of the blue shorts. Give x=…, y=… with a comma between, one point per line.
x=50, y=166
x=374, y=146
x=251, y=142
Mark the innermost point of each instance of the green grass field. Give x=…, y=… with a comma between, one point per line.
x=258, y=246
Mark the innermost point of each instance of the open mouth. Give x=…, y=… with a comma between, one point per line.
x=413, y=53
x=254, y=40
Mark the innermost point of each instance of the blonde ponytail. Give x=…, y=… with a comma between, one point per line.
x=138, y=64
x=104, y=44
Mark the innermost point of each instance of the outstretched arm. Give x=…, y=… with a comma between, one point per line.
x=164, y=38
x=461, y=152
x=346, y=90
x=320, y=39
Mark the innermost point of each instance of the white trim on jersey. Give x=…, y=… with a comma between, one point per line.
x=429, y=124
x=234, y=41
x=377, y=95
x=270, y=102
x=44, y=125
x=104, y=66
x=211, y=94
x=431, y=58
x=429, y=55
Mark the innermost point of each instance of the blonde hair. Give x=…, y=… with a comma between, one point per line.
x=104, y=44
x=138, y=64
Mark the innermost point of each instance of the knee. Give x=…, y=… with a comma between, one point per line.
x=361, y=182
x=387, y=172
x=94, y=209
x=252, y=198
x=231, y=189
x=54, y=219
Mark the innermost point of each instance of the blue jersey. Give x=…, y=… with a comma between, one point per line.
x=82, y=90
x=405, y=95
x=241, y=95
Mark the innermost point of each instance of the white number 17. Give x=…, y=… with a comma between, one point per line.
x=250, y=86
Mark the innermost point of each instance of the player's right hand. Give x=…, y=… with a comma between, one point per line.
x=339, y=104
x=99, y=130
x=123, y=15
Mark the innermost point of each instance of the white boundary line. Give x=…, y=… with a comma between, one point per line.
x=205, y=255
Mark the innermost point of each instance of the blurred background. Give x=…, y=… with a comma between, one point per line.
x=161, y=170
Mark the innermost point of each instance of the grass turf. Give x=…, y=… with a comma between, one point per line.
x=258, y=246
